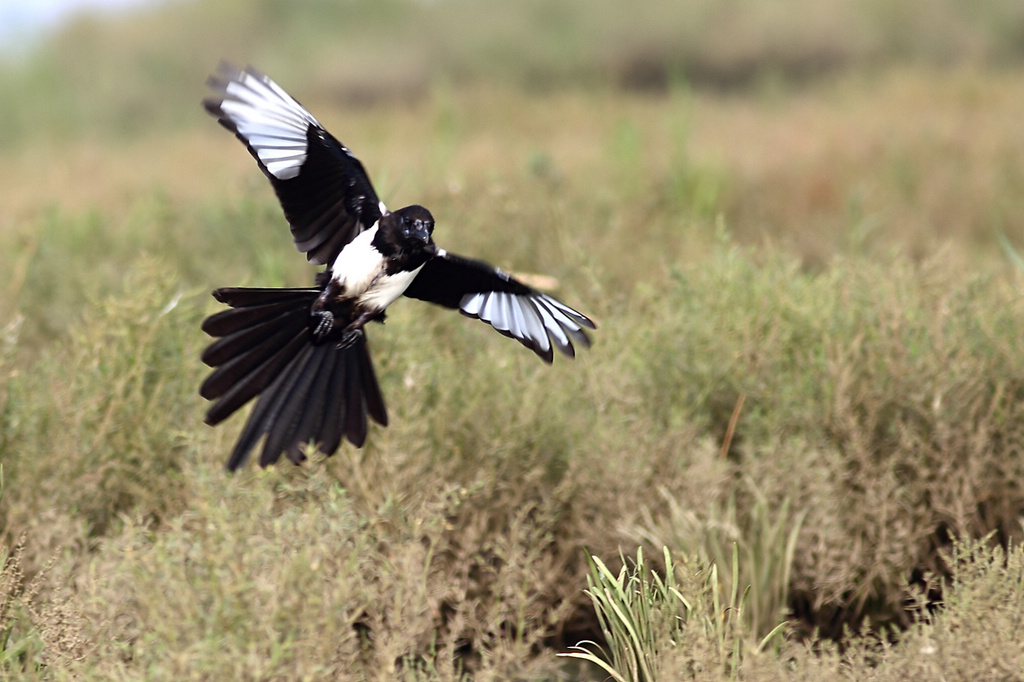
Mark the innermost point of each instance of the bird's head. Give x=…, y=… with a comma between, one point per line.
x=412, y=227
x=416, y=222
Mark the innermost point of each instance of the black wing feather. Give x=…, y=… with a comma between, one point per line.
x=324, y=190
x=477, y=289
x=446, y=279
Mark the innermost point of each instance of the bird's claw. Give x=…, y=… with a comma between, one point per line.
x=349, y=338
x=323, y=324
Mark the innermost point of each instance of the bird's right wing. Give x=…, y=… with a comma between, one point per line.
x=324, y=190
x=531, y=317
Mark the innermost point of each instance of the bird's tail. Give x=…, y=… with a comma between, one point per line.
x=309, y=392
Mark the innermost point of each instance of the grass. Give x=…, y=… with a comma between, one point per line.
x=806, y=384
x=647, y=620
x=765, y=538
x=452, y=542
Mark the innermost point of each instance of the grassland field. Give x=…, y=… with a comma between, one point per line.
x=807, y=384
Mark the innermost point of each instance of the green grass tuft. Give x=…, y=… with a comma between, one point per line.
x=651, y=624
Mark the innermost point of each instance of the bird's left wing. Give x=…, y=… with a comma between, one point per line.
x=536, y=320
x=324, y=190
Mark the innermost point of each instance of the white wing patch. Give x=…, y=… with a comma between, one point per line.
x=271, y=122
x=536, y=320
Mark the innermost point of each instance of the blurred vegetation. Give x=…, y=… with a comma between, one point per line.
x=790, y=221
x=121, y=77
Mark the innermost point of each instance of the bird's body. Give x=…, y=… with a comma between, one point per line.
x=358, y=269
x=303, y=352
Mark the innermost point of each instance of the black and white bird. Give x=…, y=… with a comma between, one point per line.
x=303, y=351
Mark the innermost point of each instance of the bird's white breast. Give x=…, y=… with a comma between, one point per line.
x=359, y=269
x=388, y=288
x=358, y=264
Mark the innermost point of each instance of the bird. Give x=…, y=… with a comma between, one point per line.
x=302, y=353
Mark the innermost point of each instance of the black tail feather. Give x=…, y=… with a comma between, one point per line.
x=308, y=392
x=290, y=400
x=254, y=427
x=371, y=389
x=333, y=426
x=312, y=419
x=236, y=319
x=259, y=359
x=246, y=297
x=355, y=404
x=231, y=345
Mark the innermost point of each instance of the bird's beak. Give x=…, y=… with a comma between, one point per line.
x=421, y=231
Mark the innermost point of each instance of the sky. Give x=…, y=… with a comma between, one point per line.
x=21, y=21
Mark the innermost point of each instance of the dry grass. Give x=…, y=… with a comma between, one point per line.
x=903, y=162
x=808, y=351
x=455, y=540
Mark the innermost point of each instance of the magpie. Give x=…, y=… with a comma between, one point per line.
x=303, y=351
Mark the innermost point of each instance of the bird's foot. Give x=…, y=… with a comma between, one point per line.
x=323, y=323
x=350, y=337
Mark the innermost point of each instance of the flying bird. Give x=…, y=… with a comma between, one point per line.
x=303, y=351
